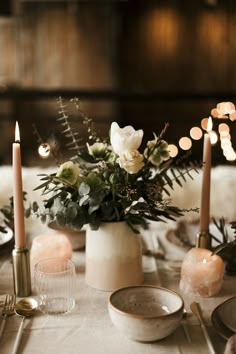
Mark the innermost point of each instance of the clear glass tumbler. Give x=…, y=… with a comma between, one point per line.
x=54, y=282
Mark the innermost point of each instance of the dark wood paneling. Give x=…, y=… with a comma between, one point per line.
x=168, y=46
x=172, y=45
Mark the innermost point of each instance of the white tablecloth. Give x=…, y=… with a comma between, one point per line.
x=89, y=330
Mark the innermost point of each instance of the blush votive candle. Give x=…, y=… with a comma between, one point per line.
x=202, y=273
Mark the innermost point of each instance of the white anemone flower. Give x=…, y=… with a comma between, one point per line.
x=123, y=139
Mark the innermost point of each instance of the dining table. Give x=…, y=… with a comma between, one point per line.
x=88, y=329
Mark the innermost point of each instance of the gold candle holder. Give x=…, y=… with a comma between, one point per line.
x=21, y=272
x=203, y=240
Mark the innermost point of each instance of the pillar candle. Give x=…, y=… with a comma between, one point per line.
x=19, y=226
x=206, y=181
x=44, y=246
x=202, y=273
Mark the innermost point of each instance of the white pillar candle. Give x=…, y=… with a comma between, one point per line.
x=206, y=181
x=201, y=273
x=19, y=225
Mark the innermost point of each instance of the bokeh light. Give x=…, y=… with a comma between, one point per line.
x=223, y=128
x=173, y=150
x=213, y=137
x=44, y=150
x=185, y=143
x=204, y=122
x=196, y=133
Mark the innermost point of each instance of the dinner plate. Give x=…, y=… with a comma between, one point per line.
x=6, y=241
x=5, y=237
x=227, y=313
x=219, y=326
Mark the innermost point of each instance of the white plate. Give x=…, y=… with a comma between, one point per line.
x=227, y=313
x=6, y=236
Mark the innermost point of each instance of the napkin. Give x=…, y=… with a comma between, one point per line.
x=230, y=347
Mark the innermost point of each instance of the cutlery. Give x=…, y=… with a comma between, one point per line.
x=195, y=307
x=8, y=310
x=185, y=328
x=25, y=308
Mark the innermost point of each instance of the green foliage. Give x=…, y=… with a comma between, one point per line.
x=97, y=186
x=225, y=247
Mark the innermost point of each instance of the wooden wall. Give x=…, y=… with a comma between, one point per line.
x=179, y=56
x=184, y=51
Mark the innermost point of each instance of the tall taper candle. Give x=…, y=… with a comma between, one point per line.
x=206, y=181
x=19, y=224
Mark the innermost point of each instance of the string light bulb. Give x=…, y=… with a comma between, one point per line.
x=44, y=150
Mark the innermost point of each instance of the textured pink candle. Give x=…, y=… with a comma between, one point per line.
x=201, y=273
x=19, y=225
x=50, y=246
x=206, y=185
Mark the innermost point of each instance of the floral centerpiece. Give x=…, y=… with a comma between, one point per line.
x=111, y=179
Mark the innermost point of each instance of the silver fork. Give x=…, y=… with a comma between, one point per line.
x=8, y=310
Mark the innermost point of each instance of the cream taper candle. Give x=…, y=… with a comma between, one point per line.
x=206, y=181
x=19, y=225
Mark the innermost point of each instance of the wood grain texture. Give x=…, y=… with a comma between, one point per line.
x=163, y=46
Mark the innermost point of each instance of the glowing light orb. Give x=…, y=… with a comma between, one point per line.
x=185, y=143
x=196, y=133
x=173, y=150
x=204, y=122
x=223, y=127
x=213, y=137
x=44, y=150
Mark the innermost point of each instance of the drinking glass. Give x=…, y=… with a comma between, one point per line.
x=54, y=281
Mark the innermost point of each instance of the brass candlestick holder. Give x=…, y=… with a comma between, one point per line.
x=203, y=240
x=21, y=272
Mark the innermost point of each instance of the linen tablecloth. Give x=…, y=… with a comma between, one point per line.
x=89, y=330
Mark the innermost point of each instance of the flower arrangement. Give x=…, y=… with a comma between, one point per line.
x=110, y=179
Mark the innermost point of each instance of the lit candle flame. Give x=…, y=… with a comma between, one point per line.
x=204, y=260
x=209, y=124
x=17, y=132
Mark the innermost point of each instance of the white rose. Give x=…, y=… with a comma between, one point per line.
x=123, y=139
x=131, y=161
x=69, y=172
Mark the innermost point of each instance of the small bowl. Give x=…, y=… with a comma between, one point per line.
x=145, y=313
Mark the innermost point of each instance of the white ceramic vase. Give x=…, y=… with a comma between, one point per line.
x=113, y=257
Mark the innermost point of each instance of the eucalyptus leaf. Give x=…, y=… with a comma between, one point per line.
x=84, y=200
x=84, y=189
x=61, y=219
x=43, y=218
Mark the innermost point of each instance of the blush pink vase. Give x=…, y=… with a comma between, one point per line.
x=113, y=257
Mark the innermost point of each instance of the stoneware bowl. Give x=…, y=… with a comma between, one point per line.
x=145, y=313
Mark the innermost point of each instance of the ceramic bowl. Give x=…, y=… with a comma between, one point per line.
x=145, y=313
x=76, y=237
